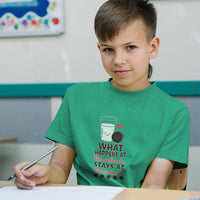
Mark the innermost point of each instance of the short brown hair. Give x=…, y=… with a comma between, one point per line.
x=114, y=15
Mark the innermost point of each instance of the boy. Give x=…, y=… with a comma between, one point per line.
x=123, y=132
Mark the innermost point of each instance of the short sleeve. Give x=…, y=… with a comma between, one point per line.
x=176, y=144
x=60, y=128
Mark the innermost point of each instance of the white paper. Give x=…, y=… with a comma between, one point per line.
x=61, y=193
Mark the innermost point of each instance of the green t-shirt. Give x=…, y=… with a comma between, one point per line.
x=118, y=133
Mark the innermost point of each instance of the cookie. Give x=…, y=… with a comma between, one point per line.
x=117, y=136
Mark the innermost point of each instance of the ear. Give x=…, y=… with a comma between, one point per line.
x=155, y=43
x=98, y=45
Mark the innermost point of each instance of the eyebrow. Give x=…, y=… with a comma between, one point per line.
x=103, y=44
x=125, y=44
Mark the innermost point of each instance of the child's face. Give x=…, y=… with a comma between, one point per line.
x=126, y=57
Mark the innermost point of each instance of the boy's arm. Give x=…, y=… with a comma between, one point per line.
x=158, y=173
x=61, y=163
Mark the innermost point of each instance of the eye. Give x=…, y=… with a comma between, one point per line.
x=131, y=47
x=107, y=50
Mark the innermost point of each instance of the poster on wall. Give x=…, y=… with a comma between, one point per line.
x=31, y=17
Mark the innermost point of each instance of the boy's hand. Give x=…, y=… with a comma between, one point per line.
x=35, y=175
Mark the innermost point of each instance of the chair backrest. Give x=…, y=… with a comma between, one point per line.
x=178, y=179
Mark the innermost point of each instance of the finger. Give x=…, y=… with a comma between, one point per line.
x=37, y=174
x=17, y=169
x=33, y=171
x=24, y=183
x=21, y=180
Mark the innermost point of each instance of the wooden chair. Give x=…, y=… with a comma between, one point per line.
x=178, y=179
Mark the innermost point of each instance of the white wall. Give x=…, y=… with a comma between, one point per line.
x=193, y=169
x=179, y=31
x=73, y=56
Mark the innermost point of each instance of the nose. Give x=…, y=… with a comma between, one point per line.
x=119, y=58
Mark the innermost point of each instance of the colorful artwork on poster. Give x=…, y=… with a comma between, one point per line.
x=31, y=17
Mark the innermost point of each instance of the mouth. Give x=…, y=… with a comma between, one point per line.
x=121, y=72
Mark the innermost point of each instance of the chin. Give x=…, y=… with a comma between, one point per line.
x=121, y=84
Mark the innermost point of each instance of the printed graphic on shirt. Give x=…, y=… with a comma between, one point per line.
x=109, y=156
x=108, y=126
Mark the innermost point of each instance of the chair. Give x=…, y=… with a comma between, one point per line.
x=178, y=179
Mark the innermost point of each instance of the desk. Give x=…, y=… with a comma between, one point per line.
x=138, y=194
x=6, y=183
x=155, y=194
x=4, y=140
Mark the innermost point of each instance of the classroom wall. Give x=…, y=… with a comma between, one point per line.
x=70, y=57
x=179, y=32
x=74, y=57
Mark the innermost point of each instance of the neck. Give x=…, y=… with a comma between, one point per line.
x=131, y=87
